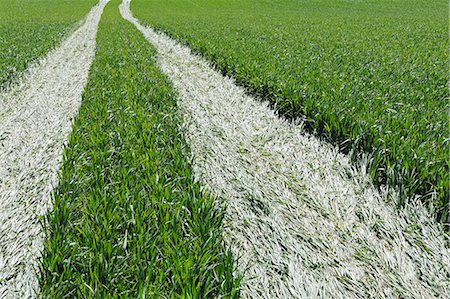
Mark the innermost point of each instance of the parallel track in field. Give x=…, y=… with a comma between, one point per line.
x=35, y=121
x=302, y=221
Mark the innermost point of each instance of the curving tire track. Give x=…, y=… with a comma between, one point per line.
x=35, y=121
x=302, y=221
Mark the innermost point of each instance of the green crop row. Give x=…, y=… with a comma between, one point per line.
x=128, y=220
x=370, y=76
x=30, y=28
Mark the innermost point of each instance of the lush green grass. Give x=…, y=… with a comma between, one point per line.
x=30, y=28
x=128, y=218
x=369, y=75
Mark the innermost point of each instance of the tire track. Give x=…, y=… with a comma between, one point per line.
x=35, y=121
x=302, y=221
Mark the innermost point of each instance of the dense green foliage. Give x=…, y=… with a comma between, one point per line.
x=370, y=76
x=129, y=221
x=30, y=28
